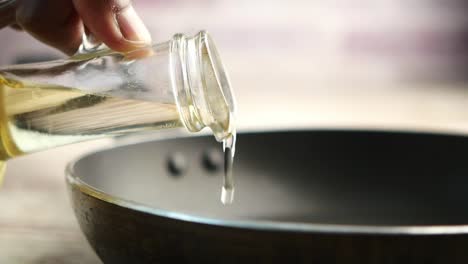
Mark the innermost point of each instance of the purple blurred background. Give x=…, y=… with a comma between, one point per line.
x=296, y=54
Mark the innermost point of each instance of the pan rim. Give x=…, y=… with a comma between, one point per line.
x=74, y=181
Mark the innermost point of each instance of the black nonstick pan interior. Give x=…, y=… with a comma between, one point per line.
x=358, y=178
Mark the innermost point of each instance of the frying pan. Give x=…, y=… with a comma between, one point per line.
x=327, y=196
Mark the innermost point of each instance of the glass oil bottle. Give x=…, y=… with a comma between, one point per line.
x=99, y=92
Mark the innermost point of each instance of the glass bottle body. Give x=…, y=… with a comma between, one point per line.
x=99, y=92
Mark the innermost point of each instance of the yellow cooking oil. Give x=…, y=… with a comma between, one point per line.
x=35, y=117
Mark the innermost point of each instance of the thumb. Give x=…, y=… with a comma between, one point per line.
x=114, y=22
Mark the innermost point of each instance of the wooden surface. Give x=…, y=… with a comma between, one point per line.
x=37, y=225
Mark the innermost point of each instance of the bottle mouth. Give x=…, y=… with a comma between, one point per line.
x=201, y=85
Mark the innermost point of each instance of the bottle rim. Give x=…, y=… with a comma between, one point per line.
x=196, y=69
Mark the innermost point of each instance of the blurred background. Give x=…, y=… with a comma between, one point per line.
x=389, y=64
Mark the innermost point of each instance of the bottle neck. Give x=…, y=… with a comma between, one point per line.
x=201, y=86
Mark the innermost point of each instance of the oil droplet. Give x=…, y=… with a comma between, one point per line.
x=2, y=171
x=229, y=147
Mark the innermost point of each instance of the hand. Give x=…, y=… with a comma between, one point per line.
x=60, y=23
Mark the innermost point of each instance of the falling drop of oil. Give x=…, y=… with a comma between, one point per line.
x=2, y=171
x=229, y=147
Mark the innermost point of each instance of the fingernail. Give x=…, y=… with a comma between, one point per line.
x=131, y=26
